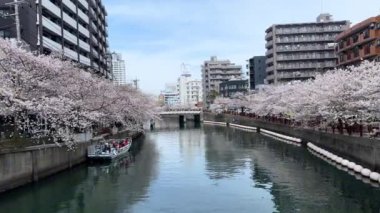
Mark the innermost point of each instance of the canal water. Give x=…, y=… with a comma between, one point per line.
x=208, y=169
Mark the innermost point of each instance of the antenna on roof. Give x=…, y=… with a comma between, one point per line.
x=321, y=6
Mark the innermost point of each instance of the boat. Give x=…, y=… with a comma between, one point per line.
x=109, y=149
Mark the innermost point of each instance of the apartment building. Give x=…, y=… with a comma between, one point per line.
x=360, y=42
x=118, y=69
x=75, y=28
x=233, y=86
x=298, y=51
x=214, y=72
x=257, y=71
x=189, y=90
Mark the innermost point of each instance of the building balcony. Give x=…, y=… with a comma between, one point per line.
x=70, y=37
x=84, y=60
x=70, y=5
x=309, y=30
x=94, y=40
x=93, y=27
x=293, y=66
x=270, y=77
x=306, y=40
x=95, y=53
x=84, y=31
x=92, y=13
x=50, y=25
x=70, y=53
x=269, y=60
x=47, y=4
x=367, y=52
x=269, y=35
x=269, y=44
x=84, y=3
x=69, y=20
x=84, y=45
x=305, y=57
x=269, y=52
x=269, y=69
x=302, y=48
x=295, y=75
x=50, y=44
x=83, y=16
x=361, y=39
x=95, y=66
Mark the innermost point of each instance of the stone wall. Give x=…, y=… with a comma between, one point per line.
x=365, y=151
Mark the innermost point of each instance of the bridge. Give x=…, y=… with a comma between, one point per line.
x=183, y=115
x=181, y=112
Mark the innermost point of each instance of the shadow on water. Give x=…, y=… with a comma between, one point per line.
x=90, y=187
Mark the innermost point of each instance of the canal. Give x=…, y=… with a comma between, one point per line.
x=208, y=169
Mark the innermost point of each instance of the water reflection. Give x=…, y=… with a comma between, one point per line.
x=212, y=169
x=222, y=159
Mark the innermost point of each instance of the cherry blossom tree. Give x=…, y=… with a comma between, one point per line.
x=63, y=96
x=350, y=93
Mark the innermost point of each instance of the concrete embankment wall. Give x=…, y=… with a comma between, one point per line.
x=31, y=164
x=365, y=151
x=24, y=166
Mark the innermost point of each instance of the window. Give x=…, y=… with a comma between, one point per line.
x=5, y=34
x=355, y=38
x=5, y=12
x=366, y=33
x=356, y=52
x=341, y=58
x=341, y=44
x=367, y=49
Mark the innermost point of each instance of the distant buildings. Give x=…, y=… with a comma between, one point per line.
x=170, y=96
x=360, y=42
x=300, y=50
x=215, y=72
x=257, y=71
x=233, y=86
x=75, y=28
x=189, y=90
x=118, y=69
x=186, y=92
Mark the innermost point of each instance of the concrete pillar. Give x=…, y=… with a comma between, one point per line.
x=181, y=121
x=197, y=118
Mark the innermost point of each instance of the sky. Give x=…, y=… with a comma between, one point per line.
x=156, y=36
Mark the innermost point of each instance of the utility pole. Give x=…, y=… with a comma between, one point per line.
x=136, y=82
x=16, y=4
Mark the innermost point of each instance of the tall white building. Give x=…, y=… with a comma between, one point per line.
x=215, y=72
x=189, y=90
x=118, y=69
